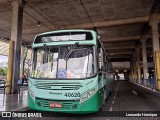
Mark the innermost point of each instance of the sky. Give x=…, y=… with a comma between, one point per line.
x=3, y=58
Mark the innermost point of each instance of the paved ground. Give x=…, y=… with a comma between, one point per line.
x=130, y=97
x=13, y=102
x=126, y=98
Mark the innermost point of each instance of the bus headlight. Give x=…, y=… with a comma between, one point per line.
x=91, y=92
x=31, y=93
x=84, y=96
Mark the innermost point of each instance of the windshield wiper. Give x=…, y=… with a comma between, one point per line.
x=45, y=48
x=71, y=50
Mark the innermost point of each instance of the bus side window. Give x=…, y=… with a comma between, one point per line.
x=100, y=59
x=104, y=66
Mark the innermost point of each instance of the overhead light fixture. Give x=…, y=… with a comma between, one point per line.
x=157, y=8
x=38, y=24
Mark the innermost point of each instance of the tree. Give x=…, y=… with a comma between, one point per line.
x=3, y=71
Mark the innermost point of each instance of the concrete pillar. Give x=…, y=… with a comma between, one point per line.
x=10, y=67
x=144, y=56
x=157, y=59
x=155, y=40
x=155, y=35
x=22, y=61
x=138, y=64
x=136, y=68
x=16, y=35
x=130, y=77
x=135, y=73
x=133, y=67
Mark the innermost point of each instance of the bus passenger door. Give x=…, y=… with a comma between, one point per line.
x=102, y=78
x=102, y=68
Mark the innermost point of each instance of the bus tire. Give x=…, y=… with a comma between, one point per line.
x=111, y=88
x=105, y=95
x=104, y=99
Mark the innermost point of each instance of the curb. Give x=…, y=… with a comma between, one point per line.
x=148, y=89
x=22, y=109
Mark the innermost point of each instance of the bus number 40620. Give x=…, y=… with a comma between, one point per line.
x=72, y=94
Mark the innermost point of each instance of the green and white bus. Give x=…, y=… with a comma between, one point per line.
x=71, y=72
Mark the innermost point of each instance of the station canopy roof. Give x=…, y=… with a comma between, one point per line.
x=120, y=23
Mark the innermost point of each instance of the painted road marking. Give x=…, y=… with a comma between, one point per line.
x=111, y=108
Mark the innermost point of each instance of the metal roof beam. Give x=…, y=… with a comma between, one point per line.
x=110, y=23
x=119, y=39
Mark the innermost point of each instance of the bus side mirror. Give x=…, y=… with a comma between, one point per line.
x=100, y=72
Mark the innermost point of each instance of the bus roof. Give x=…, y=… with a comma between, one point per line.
x=69, y=30
x=81, y=36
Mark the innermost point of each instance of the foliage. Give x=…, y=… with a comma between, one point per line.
x=3, y=71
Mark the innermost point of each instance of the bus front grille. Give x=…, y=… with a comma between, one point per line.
x=58, y=86
x=66, y=104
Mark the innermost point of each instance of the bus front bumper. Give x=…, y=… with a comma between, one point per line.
x=89, y=106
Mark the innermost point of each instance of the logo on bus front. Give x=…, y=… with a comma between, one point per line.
x=55, y=93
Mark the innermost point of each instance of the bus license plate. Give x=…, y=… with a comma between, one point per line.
x=55, y=105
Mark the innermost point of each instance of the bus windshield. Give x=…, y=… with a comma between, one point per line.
x=64, y=62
